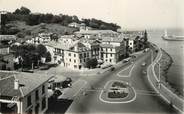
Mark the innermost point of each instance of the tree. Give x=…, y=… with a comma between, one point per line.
x=22, y=11
x=91, y=63
x=48, y=57
x=41, y=50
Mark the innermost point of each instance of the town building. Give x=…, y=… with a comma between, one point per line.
x=76, y=56
x=74, y=24
x=96, y=33
x=6, y=58
x=23, y=93
x=112, y=50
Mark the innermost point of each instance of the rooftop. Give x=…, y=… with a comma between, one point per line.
x=106, y=45
x=96, y=32
x=27, y=83
x=112, y=39
x=59, y=45
x=7, y=37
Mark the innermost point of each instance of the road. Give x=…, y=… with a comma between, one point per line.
x=87, y=100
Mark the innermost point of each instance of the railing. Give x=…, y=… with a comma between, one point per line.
x=161, y=88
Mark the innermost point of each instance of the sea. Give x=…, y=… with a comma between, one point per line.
x=176, y=50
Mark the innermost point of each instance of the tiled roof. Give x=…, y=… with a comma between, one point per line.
x=59, y=45
x=28, y=82
x=96, y=32
x=107, y=45
x=112, y=39
x=7, y=37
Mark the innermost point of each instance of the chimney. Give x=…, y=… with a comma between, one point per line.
x=16, y=84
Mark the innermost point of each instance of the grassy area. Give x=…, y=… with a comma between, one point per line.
x=119, y=84
x=117, y=95
x=28, y=30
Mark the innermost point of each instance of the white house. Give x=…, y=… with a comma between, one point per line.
x=76, y=56
x=112, y=49
x=74, y=24
x=23, y=93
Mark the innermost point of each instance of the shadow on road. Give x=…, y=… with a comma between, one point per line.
x=56, y=106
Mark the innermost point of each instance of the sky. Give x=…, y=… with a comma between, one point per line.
x=129, y=14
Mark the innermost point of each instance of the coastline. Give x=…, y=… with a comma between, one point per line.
x=166, y=62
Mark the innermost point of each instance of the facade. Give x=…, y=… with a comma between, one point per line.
x=4, y=49
x=111, y=54
x=6, y=58
x=76, y=56
x=112, y=49
x=6, y=62
x=74, y=24
x=23, y=93
x=131, y=45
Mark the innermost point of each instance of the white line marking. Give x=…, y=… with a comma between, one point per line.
x=129, y=74
x=152, y=66
x=85, y=82
x=115, y=102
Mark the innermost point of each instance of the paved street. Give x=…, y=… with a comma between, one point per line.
x=146, y=100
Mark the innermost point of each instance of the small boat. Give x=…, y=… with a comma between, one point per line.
x=172, y=37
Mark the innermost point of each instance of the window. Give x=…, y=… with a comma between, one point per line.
x=111, y=49
x=43, y=89
x=106, y=55
x=110, y=60
x=84, y=55
x=106, y=49
x=80, y=56
x=43, y=103
x=75, y=66
x=37, y=95
x=69, y=54
x=84, y=60
x=111, y=55
x=87, y=54
x=70, y=60
x=29, y=101
x=74, y=55
x=74, y=61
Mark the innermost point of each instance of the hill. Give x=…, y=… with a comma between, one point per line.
x=21, y=29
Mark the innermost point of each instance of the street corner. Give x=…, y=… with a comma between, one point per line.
x=116, y=91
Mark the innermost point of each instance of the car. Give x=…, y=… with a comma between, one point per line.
x=56, y=94
x=113, y=68
x=126, y=60
x=145, y=50
x=143, y=64
x=133, y=56
x=144, y=72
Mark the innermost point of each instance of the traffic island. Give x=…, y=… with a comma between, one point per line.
x=117, y=92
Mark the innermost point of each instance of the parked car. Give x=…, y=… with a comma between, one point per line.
x=56, y=94
x=126, y=60
x=113, y=68
x=145, y=50
x=143, y=64
x=106, y=66
x=67, y=83
x=133, y=56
